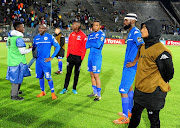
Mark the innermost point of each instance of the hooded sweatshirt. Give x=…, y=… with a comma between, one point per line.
x=155, y=69
x=16, y=48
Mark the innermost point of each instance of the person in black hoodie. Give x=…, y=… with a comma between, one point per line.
x=154, y=70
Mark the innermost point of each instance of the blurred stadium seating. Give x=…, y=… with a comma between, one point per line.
x=64, y=12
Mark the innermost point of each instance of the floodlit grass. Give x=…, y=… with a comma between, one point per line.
x=80, y=111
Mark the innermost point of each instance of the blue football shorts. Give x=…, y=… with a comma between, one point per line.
x=127, y=80
x=94, y=63
x=43, y=68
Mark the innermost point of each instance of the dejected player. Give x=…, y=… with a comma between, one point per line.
x=43, y=41
x=134, y=41
x=95, y=42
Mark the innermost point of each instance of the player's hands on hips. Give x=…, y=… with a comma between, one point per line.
x=48, y=59
x=130, y=64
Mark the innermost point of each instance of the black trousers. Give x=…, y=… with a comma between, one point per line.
x=72, y=61
x=153, y=116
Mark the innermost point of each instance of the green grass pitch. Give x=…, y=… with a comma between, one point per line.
x=80, y=111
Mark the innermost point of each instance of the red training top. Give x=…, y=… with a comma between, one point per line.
x=77, y=44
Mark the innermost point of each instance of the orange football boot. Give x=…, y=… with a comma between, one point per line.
x=53, y=96
x=122, y=120
x=41, y=94
x=121, y=114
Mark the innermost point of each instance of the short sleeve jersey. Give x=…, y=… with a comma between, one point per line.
x=43, y=44
x=133, y=41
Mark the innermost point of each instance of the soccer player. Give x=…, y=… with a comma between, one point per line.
x=17, y=65
x=134, y=41
x=61, y=40
x=154, y=71
x=43, y=41
x=75, y=54
x=95, y=42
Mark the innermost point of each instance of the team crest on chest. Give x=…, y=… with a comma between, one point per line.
x=45, y=38
x=78, y=37
x=97, y=35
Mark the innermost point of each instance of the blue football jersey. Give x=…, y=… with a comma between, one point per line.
x=43, y=44
x=133, y=41
x=95, y=42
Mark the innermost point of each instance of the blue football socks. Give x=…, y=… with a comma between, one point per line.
x=41, y=82
x=51, y=85
x=130, y=96
x=60, y=65
x=125, y=104
x=99, y=92
x=94, y=89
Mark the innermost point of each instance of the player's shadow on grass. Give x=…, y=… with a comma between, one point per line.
x=81, y=107
x=48, y=100
x=52, y=124
x=6, y=111
x=10, y=114
x=34, y=86
x=107, y=78
x=25, y=118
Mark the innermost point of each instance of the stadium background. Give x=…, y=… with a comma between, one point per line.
x=80, y=111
